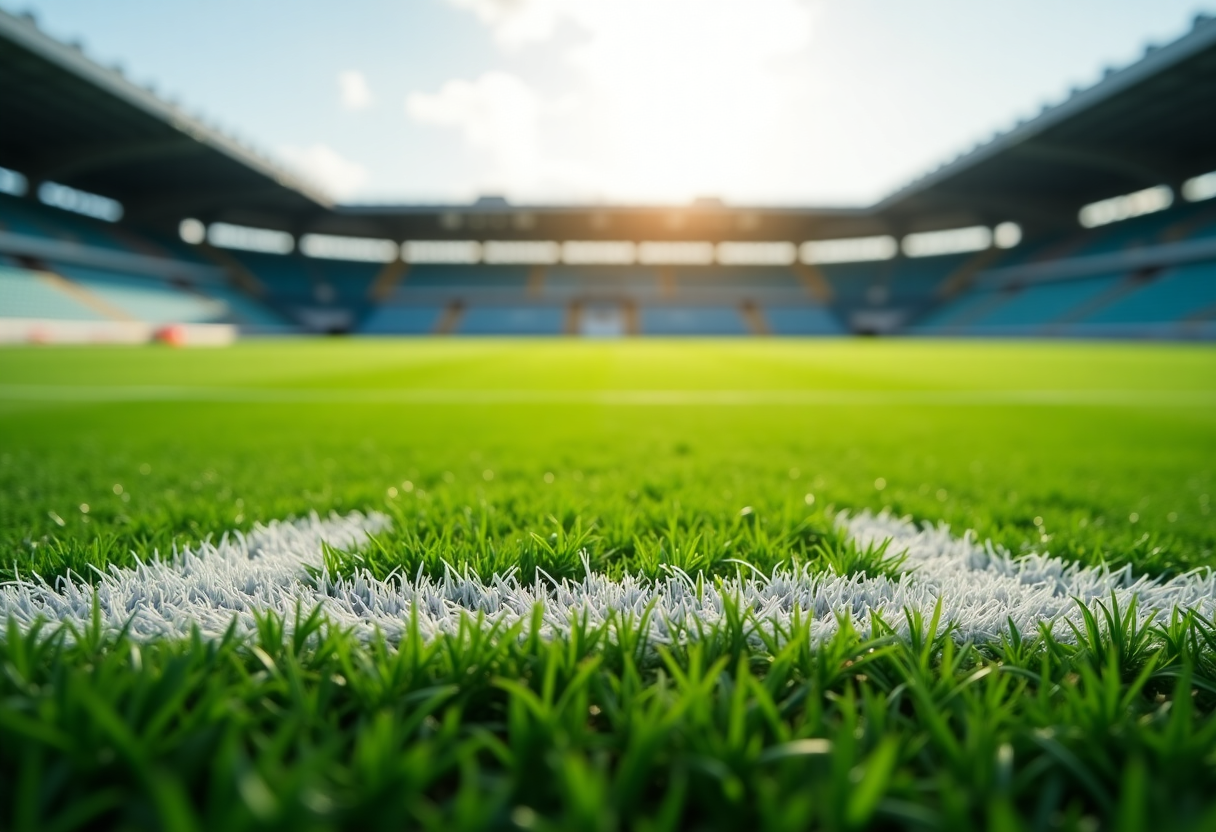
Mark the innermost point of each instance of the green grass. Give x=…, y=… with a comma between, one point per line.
x=1109, y=459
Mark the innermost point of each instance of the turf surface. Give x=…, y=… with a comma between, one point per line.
x=644, y=456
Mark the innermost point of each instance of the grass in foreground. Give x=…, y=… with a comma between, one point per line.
x=601, y=731
x=111, y=454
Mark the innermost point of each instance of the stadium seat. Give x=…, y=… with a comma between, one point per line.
x=614, y=281
x=464, y=278
x=26, y=216
x=512, y=320
x=750, y=280
x=802, y=320
x=24, y=294
x=145, y=298
x=691, y=320
x=1174, y=295
x=401, y=320
x=1040, y=304
x=249, y=314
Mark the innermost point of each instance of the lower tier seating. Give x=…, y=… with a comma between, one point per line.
x=401, y=320
x=512, y=320
x=691, y=320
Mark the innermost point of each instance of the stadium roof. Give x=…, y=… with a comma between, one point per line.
x=1151, y=123
x=72, y=121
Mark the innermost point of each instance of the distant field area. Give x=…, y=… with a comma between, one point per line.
x=1110, y=446
x=602, y=585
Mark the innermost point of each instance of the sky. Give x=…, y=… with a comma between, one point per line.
x=769, y=102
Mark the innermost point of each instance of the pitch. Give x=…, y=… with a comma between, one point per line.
x=557, y=584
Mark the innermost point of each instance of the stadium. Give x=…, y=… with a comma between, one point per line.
x=502, y=515
x=1090, y=220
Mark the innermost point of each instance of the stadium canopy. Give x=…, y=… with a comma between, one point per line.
x=71, y=121
x=1151, y=123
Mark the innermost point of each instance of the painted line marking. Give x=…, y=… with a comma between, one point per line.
x=980, y=587
x=794, y=398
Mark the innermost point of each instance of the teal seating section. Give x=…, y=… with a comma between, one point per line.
x=1045, y=302
x=401, y=320
x=23, y=294
x=1174, y=295
x=147, y=299
x=691, y=320
x=512, y=320
x=802, y=320
x=465, y=278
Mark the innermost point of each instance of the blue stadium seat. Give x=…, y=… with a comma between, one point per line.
x=512, y=320
x=735, y=279
x=145, y=298
x=1045, y=302
x=286, y=278
x=691, y=320
x=957, y=312
x=26, y=216
x=349, y=281
x=23, y=294
x=802, y=320
x=1174, y=295
x=427, y=276
x=902, y=280
x=401, y=320
x=601, y=280
x=245, y=311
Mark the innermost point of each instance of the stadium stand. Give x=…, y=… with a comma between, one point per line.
x=402, y=320
x=692, y=320
x=144, y=298
x=512, y=320
x=1145, y=273
x=802, y=320
x=1150, y=276
x=566, y=282
x=1180, y=295
x=451, y=281
x=29, y=294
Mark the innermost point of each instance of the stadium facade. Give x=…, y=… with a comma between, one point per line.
x=121, y=215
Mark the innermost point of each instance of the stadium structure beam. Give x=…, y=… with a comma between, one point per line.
x=62, y=166
x=989, y=208
x=1141, y=171
x=250, y=206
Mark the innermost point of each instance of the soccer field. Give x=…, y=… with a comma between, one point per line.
x=593, y=585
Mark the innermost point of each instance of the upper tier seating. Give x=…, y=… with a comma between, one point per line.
x=901, y=281
x=736, y=281
x=25, y=216
x=298, y=280
x=601, y=281
x=455, y=280
x=245, y=311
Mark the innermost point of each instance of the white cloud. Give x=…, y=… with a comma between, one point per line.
x=321, y=164
x=356, y=94
x=516, y=22
x=497, y=114
x=662, y=99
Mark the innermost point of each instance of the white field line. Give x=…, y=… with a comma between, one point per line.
x=651, y=398
x=980, y=587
